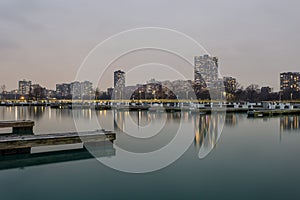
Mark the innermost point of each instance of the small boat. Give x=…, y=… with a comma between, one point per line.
x=9, y=104
x=251, y=113
x=260, y=115
x=156, y=108
x=55, y=105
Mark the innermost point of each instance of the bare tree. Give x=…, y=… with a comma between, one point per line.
x=3, y=87
x=252, y=92
x=97, y=93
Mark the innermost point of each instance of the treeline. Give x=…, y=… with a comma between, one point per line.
x=253, y=93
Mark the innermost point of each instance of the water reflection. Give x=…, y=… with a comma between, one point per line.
x=143, y=119
x=231, y=120
x=35, y=112
x=155, y=128
x=207, y=130
x=290, y=123
x=22, y=112
x=142, y=131
x=28, y=157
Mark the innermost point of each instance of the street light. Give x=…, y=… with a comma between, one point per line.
x=140, y=95
x=224, y=95
x=154, y=94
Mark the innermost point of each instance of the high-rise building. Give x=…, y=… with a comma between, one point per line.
x=290, y=81
x=24, y=87
x=119, y=84
x=86, y=88
x=205, y=70
x=229, y=84
x=119, y=79
x=76, y=90
x=63, y=90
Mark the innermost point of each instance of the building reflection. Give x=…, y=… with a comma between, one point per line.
x=144, y=118
x=22, y=112
x=143, y=131
x=290, y=123
x=119, y=120
x=35, y=112
x=231, y=120
x=207, y=130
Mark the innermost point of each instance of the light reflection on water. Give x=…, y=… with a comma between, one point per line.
x=253, y=159
x=204, y=126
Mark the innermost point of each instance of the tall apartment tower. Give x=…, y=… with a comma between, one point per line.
x=205, y=70
x=24, y=87
x=290, y=81
x=119, y=84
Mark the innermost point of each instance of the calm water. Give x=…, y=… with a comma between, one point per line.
x=253, y=159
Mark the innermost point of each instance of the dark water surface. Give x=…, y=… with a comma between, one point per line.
x=253, y=159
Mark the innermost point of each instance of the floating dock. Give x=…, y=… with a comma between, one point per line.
x=22, y=143
x=99, y=149
x=22, y=139
x=19, y=127
x=273, y=112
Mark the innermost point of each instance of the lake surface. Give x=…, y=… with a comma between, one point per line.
x=251, y=159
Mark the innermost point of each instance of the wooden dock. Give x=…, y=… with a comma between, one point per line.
x=16, y=141
x=16, y=147
x=22, y=139
x=19, y=127
x=11, y=161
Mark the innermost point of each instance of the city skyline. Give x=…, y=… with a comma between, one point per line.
x=111, y=82
x=208, y=82
x=50, y=39
x=115, y=81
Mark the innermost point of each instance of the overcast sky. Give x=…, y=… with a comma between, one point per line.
x=46, y=41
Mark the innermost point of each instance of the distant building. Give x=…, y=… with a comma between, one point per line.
x=153, y=81
x=76, y=90
x=86, y=88
x=229, y=84
x=205, y=70
x=24, y=87
x=38, y=92
x=266, y=93
x=119, y=79
x=50, y=93
x=119, y=84
x=63, y=90
x=129, y=91
x=290, y=81
x=265, y=90
x=110, y=92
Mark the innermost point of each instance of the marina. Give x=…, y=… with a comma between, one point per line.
x=22, y=139
x=241, y=149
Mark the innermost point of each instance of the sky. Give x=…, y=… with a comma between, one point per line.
x=47, y=41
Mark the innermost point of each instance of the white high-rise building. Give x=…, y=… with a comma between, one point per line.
x=119, y=84
x=205, y=70
x=24, y=87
